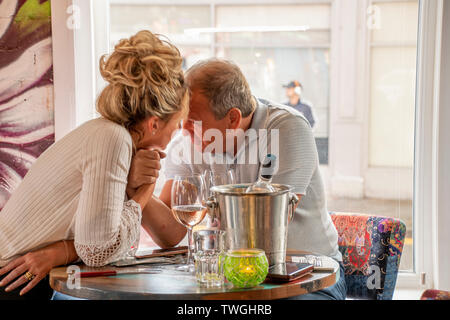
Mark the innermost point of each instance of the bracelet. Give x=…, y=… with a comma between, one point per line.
x=67, y=254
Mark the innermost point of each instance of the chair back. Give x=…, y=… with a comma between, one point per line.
x=371, y=248
x=433, y=294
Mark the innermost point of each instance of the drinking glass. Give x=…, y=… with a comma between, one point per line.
x=214, y=178
x=188, y=206
x=209, y=256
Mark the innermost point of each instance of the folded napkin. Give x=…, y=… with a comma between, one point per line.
x=131, y=261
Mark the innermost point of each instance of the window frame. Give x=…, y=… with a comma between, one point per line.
x=427, y=147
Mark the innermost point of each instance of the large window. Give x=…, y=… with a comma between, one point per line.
x=270, y=58
x=392, y=85
x=273, y=45
x=393, y=59
x=356, y=61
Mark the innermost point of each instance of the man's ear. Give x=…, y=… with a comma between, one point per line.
x=234, y=118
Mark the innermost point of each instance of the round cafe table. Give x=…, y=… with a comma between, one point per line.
x=170, y=285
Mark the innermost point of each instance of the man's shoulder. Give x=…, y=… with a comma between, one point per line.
x=280, y=115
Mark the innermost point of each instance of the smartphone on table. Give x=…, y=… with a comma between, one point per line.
x=288, y=271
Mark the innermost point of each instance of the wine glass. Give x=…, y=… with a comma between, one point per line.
x=216, y=178
x=188, y=206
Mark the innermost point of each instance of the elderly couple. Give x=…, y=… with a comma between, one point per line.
x=87, y=196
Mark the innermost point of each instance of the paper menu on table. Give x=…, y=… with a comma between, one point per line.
x=151, y=252
x=152, y=255
x=320, y=264
x=131, y=261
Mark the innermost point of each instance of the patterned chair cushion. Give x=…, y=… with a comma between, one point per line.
x=371, y=248
x=432, y=294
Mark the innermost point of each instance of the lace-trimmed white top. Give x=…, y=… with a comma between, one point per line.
x=76, y=190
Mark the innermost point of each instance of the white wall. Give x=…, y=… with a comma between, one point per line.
x=63, y=69
x=100, y=9
x=442, y=222
x=74, y=60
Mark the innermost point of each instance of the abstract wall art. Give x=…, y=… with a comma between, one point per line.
x=26, y=89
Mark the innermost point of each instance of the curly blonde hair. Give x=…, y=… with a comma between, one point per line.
x=145, y=79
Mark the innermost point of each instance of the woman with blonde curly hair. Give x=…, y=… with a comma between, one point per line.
x=74, y=203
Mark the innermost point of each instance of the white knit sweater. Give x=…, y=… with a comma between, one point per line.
x=76, y=190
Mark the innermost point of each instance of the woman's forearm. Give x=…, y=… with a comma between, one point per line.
x=61, y=252
x=143, y=194
x=158, y=221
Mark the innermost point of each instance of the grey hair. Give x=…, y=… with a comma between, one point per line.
x=223, y=84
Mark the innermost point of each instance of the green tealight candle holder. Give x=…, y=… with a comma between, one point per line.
x=246, y=268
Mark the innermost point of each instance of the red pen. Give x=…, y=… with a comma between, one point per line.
x=88, y=274
x=107, y=273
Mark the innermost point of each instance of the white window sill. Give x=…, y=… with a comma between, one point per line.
x=407, y=294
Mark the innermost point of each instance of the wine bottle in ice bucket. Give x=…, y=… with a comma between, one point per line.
x=266, y=173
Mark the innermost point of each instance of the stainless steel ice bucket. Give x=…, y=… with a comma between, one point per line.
x=254, y=220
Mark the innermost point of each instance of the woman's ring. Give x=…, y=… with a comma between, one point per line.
x=29, y=276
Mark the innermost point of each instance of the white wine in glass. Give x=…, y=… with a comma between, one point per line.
x=188, y=206
x=189, y=215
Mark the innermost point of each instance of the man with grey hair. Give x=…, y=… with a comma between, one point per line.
x=221, y=102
